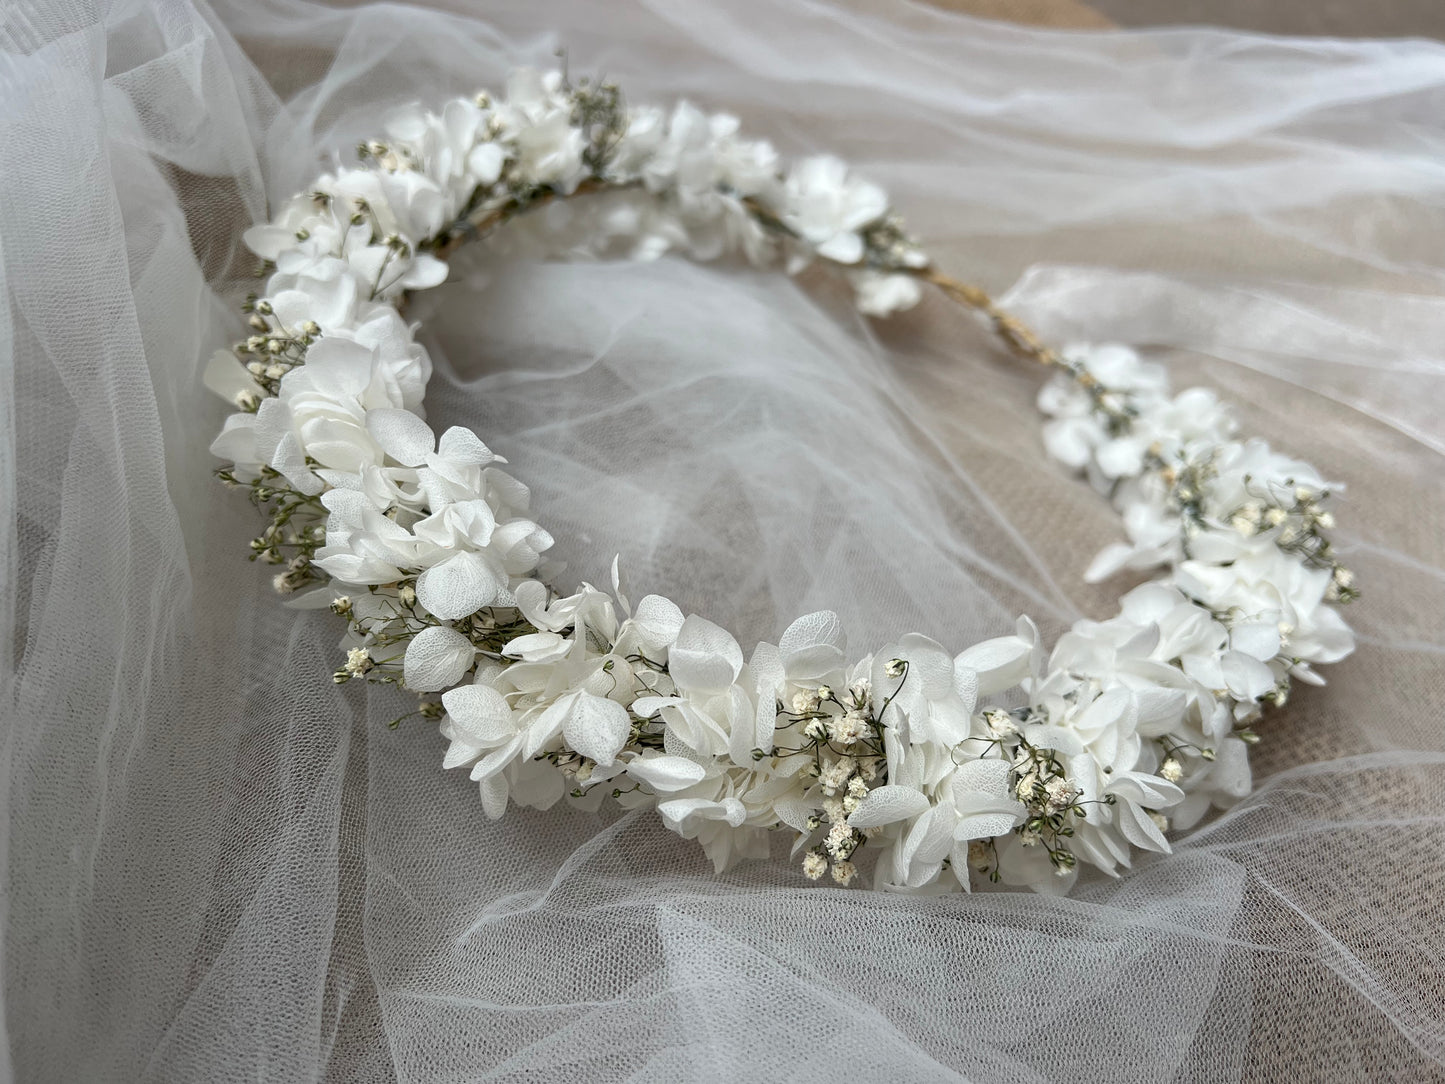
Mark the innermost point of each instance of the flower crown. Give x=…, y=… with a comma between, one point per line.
x=1002, y=763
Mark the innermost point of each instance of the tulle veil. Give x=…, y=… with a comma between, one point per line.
x=220, y=866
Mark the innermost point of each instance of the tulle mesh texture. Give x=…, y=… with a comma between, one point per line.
x=220, y=866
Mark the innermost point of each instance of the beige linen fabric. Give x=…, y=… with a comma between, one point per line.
x=1390, y=18
x=1062, y=14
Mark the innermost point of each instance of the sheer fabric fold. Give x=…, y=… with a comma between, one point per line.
x=221, y=866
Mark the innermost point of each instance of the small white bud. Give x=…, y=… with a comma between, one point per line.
x=1000, y=723
x=805, y=702
x=978, y=856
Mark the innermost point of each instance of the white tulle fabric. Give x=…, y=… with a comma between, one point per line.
x=218, y=867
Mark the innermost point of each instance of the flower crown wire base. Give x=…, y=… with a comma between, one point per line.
x=1127, y=728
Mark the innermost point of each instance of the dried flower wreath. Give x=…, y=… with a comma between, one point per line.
x=1128, y=726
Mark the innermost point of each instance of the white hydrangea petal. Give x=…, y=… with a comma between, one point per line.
x=1113, y=710
x=1068, y=441
x=500, y=758
x=531, y=598
x=227, y=377
x=620, y=587
x=436, y=658
x=1146, y=790
x=1245, y=676
x=401, y=435
x=463, y=446
x=1159, y=709
x=1000, y=663
x=930, y=669
x=290, y=459
x=1232, y=774
x=919, y=855
x=537, y=647
x=882, y=295
x=1109, y=560
x=886, y=805
x=596, y=727
x=485, y=161
x=705, y=657
x=984, y=826
x=965, y=687
x=237, y=440
x=340, y=365
x=648, y=706
x=676, y=812
x=423, y=273
x=1139, y=828
x=494, y=790
x=666, y=773
x=1120, y=458
x=658, y=621
x=268, y=241
x=1057, y=738
x=480, y=712
x=733, y=812
x=821, y=629
x=1258, y=639
x=459, y=586
x=845, y=248
x=986, y=776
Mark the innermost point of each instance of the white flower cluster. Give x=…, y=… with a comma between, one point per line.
x=1003, y=761
x=1242, y=528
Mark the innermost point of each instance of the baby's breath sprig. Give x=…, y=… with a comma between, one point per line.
x=1052, y=801
x=843, y=737
x=888, y=246
x=1299, y=518
x=599, y=112
x=272, y=350
x=1186, y=480
x=295, y=529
